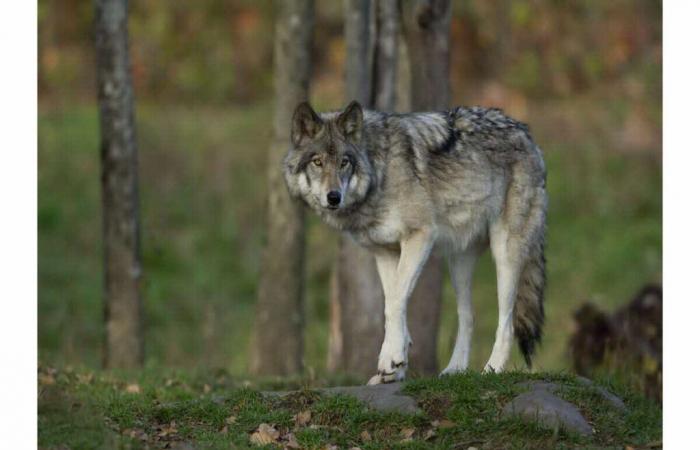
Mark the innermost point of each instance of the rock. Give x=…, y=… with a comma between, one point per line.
x=613, y=399
x=382, y=397
x=541, y=405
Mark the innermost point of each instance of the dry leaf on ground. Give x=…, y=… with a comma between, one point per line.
x=444, y=423
x=265, y=434
x=365, y=436
x=166, y=430
x=303, y=418
x=133, y=388
x=290, y=441
x=407, y=434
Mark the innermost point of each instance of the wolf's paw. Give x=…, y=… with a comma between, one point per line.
x=493, y=368
x=451, y=370
x=393, y=360
x=397, y=374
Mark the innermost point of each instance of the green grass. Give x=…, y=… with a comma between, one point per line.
x=203, y=198
x=211, y=409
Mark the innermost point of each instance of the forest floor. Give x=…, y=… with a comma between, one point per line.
x=83, y=409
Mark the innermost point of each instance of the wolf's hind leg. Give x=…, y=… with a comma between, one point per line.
x=393, y=357
x=507, y=256
x=461, y=269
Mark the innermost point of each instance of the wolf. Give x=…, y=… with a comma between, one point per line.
x=400, y=185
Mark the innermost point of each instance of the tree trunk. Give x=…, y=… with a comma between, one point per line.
x=277, y=347
x=357, y=300
x=427, y=33
x=123, y=308
x=386, y=55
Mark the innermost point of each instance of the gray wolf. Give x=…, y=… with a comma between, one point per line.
x=400, y=184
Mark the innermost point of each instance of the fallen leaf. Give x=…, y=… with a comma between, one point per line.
x=265, y=434
x=133, y=388
x=166, y=430
x=85, y=378
x=365, y=436
x=303, y=418
x=407, y=434
x=46, y=379
x=135, y=433
x=444, y=423
x=224, y=430
x=290, y=441
x=429, y=434
x=231, y=420
x=207, y=389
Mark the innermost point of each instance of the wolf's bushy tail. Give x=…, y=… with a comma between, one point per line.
x=529, y=302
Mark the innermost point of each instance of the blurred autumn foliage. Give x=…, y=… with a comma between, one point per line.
x=219, y=51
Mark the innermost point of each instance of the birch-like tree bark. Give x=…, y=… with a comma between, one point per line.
x=277, y=347
x=426, y=25
x=123, y=308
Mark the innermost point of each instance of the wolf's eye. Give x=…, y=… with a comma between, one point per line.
x=317, y=162
x=344, y=162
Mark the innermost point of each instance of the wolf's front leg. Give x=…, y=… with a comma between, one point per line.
x=398, y=286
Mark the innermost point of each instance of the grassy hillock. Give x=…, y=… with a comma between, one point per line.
x=174, y=409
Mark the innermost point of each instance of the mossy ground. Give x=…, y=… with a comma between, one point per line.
x=81, y=409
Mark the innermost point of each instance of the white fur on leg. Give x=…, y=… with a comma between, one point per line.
x=508, y=273
x=393, y=357
x=461, y=269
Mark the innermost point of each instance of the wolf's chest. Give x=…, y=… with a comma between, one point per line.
x=388, y=231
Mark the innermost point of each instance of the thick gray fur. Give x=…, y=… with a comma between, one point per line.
x=465, y=173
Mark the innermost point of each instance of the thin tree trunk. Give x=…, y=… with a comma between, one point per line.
x=427, y=33
x=356, y=292
x=386, y=55
x=123, y=309
x=277, y=346
x=357, y=300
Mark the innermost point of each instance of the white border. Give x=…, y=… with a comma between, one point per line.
x=681, y=225
x=18, y=200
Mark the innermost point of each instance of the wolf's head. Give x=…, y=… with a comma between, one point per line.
x=327, y=165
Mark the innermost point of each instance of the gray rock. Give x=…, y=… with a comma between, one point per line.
x=536, y=385
x=613, y=399
x=382, y=397
x=541, y=405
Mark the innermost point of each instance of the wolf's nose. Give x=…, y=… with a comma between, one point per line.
x=333, y=198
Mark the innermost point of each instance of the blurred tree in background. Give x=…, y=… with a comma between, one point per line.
x=120, y=200
x=278, y=343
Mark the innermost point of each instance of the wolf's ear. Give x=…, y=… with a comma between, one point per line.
x=305, y=124
x=350, y=121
